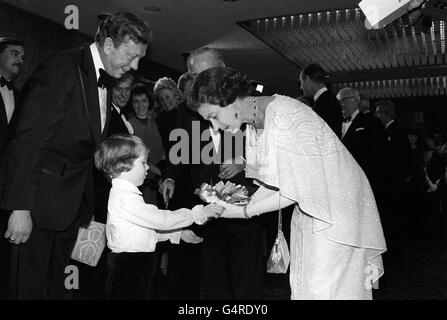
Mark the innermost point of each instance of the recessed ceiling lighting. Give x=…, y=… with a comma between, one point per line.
x=229, y=0
x=152, y=9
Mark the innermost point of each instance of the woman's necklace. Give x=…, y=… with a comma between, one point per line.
x=254, y=132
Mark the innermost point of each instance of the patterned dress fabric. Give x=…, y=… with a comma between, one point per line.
x=336, y=234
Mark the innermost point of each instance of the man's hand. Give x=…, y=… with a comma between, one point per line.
x=230, y=168
x=20, y=226
x=166, y=189
x=189, y=236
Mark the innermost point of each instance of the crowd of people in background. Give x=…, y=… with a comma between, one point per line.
x=48, y=155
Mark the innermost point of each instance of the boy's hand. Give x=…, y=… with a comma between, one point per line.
x=213, y=210
x=189, y=236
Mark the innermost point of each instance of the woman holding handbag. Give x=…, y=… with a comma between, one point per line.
x=336, y=234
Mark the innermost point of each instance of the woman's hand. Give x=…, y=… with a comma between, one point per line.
x=213, y=210
x=231, y=211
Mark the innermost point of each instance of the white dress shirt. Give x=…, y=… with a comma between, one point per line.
x=8, y=101
x=319, y=93
x=126, y=123
x=132, y=224
x=388, y=124
x=215, y=136
x=102, y=92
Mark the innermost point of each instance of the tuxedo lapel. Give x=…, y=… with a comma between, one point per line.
x=91, y=93
x=356, y=123
x=109, y=115
x=3, y=120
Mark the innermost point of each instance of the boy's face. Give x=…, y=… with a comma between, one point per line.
x=138, y=173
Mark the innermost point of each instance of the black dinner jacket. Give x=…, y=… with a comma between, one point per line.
x=329, y=109
x=366, y=141
x=398, y=153
x=7, y=129
x=47, y=167
x=116, y=123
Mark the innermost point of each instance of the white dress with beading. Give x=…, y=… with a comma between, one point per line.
x=336, y=235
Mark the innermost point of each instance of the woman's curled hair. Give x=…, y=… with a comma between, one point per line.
x=219, y=86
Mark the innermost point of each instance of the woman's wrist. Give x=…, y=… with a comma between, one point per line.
x=246, y=215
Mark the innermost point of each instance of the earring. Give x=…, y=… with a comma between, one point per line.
x=236, y=115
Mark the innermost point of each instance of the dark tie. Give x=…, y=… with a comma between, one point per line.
x=347, y=119
x=105, y=80
x=4, y=82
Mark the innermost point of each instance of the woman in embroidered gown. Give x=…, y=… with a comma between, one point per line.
x=336, y=234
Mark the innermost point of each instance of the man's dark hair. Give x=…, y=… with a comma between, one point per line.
x=315, y=72
x=6, y=41
x=387, y=106
x=120, y=25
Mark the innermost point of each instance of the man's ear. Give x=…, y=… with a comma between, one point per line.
x=108, y=45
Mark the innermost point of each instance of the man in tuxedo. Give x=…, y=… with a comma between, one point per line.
x=47, y=171
x=398, y=172
x=12, y=55
x=11, y=59
x=364, y=137
x=118, y=124
x=231, y=253
x=120, y=98
x=325, y=104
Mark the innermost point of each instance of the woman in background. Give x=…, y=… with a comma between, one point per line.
x=145, y=127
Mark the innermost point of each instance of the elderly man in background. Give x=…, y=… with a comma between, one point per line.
x=365, y=139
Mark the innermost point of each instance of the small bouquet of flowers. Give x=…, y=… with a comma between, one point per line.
x=228, y=192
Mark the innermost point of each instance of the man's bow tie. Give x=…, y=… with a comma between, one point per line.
x=105, y=80
x=347, y=119
x=4, y=82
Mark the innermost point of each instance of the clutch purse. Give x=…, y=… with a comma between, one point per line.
x=90, y=244
x=279, y=258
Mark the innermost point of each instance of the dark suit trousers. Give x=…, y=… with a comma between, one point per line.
x=5, y=253
x=129, y=276
x=41, y=262
x=231, y=260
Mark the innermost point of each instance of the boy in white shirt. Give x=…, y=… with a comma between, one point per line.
x=133, y=226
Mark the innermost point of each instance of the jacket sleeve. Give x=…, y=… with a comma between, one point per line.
x=45, y=99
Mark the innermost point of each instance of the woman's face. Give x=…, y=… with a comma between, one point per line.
x=168, y=99
x=140, y=104
x=221, y=117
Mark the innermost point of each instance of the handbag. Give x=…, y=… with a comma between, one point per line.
x=90, y=244
x=279, y=258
